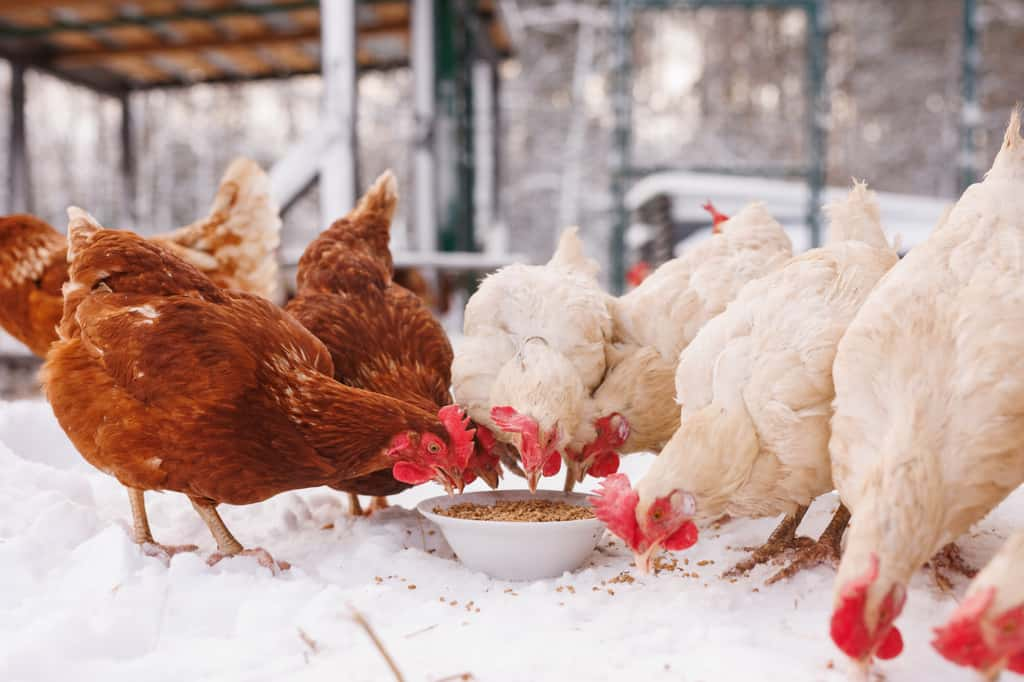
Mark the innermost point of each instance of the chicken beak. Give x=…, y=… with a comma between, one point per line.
x=532, y=478
x=645, y=560
x=575, y=470
x=490, y=477
x=449, y=482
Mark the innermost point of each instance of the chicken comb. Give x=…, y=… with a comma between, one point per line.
x=507, y=419
x=717, y=218
x=961, y=640
x=847, y=628
x=615, y=505
x=462, y=437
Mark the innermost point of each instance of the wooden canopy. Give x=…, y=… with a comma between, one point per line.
x=123, y=45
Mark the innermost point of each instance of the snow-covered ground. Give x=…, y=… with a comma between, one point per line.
x=79, y=601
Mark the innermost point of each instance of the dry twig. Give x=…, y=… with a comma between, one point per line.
x=358, y=618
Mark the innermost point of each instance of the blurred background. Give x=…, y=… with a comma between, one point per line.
x=505, y=120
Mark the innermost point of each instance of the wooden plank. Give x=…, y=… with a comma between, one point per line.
x=75, y=42
x=26, y=17
x=244, y=25
x=132, y=36
x=306, y=18
x=145, y=45
x=292, y=56
x=193, y=30
x=139, y=70
x=247, y=60
x=48, y=5
x=191, y=66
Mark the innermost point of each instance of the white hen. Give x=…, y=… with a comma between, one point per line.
x=755, y=390
x=633, y=408
x=534, y=352
x=928, y=424
x=987, y=630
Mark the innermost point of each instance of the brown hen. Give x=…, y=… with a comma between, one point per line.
x=381, y=336
x=168, y=382
x=234, y=245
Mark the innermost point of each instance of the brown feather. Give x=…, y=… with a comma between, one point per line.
x=167, y=382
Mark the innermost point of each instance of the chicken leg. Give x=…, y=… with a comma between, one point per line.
x=950, y=560
x=227, y=545
x=143, y=536
x=355, y=508
x=781, y=539
x=378, y=503
x=825, y=550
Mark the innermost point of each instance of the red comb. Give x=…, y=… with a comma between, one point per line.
x=960, y=640
x=638, y=273
x=508, y=419
x=847, y=628
x=615, y=505
x=716, y=217
x=461, y=436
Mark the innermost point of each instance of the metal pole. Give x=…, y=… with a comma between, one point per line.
x=483, y=129
x=128, y=163
x=19, y=190
x=569, y=205
x=970, y=110
x=817, y=111
x=496, y=143
x=338, y=54
x=622, y=106
x=465, y=230
x=425, y=164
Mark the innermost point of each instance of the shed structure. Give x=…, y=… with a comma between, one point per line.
x=118, y=47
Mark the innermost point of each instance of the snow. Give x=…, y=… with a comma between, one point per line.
x=80, y=601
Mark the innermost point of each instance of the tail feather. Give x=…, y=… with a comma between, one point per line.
x=382, y=197
x=1009, y=162
x=856, y=218
x=81, y=229
x=569, y=254
x=236, y=243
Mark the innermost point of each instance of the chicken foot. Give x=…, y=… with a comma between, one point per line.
x=825, y=550
x=950, y=560
x=355, y=507
x=227, y=545
x=142, y=535
x=782, y=539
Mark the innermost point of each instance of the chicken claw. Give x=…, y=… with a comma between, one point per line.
x=143, y=537
x=950, y=560
x=826, y=550
x=782, y=539
x=262, y=556
x=165, y=552
x=227, y=545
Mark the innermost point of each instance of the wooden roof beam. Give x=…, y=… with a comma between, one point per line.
x=60, y=25
x=85, y=58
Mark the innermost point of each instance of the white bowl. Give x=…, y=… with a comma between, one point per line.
x=517, y=550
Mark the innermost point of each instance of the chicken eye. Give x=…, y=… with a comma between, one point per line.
x=434, y=448
x=657, y=515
